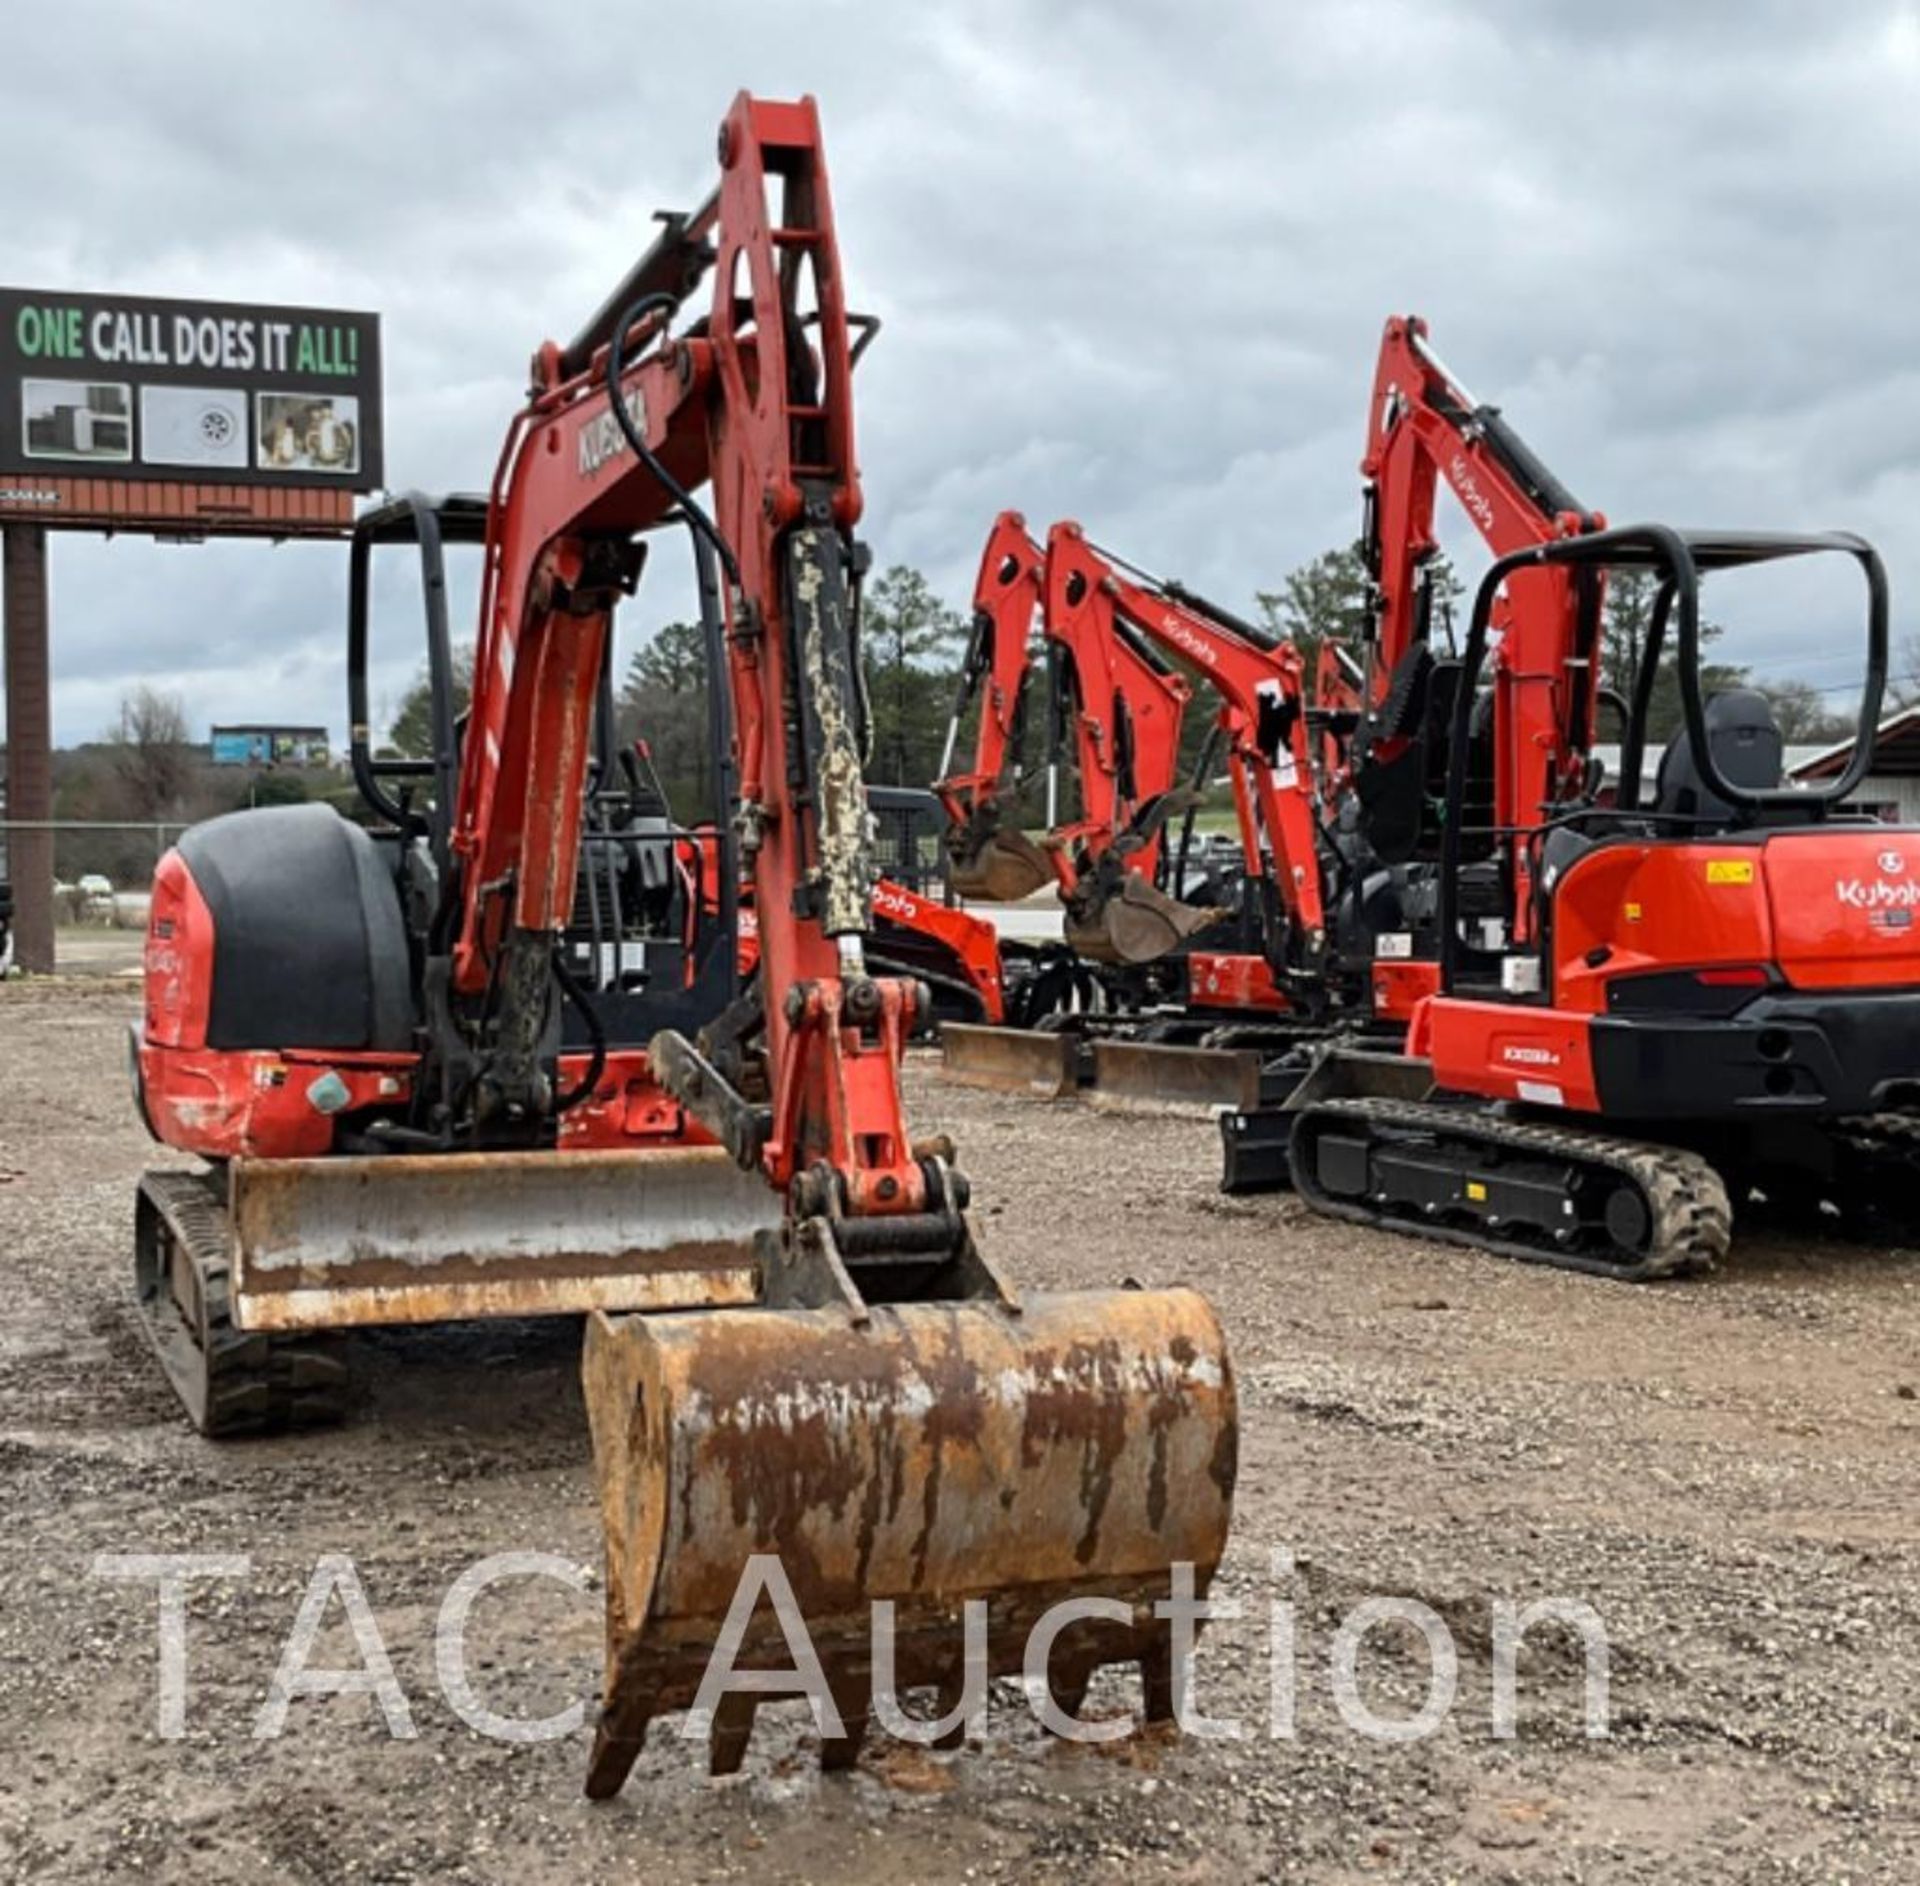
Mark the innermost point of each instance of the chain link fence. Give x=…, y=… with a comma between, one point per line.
x=101, y=868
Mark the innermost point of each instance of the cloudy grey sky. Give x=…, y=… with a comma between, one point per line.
x=1133, y=260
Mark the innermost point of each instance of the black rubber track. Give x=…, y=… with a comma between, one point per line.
x=1878, y=1180
x=1690, y=1221
x=230, y=1381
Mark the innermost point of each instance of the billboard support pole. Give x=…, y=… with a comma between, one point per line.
x=29, y=743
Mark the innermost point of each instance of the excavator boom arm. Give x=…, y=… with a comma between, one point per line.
x=1423, y=427
x=1261, y=690
x=1126, y=707
x=756, y=404
x=989, y=856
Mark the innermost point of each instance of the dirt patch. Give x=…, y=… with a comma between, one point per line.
x=1724, y=1472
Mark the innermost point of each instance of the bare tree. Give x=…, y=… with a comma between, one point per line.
x=1801, y=712
x=152, y=758
x=1903, y=674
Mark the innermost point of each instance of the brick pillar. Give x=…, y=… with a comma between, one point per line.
x=29, y=744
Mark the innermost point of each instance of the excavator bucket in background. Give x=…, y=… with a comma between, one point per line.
x=1006, y=869
x=1137, y=923
x=1040, y=1063
x=926, y=1454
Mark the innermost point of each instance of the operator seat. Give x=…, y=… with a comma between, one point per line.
x=650, y=837
x=1744, y=739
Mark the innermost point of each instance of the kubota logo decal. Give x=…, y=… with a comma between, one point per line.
x=1892, y=864
x=1196, y=645
x=1880, y=894
x=891, y=901
x=602, y=439
x=1478, y=505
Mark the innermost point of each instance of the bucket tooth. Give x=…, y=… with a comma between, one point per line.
x=616, y=1747
x=1156, y=1681
x=938, y=1453
x=853, y=1700
x=731, y=1732
x=952, y=1693
x=1068, y=1689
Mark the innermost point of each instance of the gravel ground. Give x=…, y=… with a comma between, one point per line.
x=1723, y=1471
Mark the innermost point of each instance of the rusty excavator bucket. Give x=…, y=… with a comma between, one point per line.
x=924, y=1454
x=1137, y=923
x=1008, y=867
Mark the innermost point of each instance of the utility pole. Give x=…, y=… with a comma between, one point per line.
x=29, y=744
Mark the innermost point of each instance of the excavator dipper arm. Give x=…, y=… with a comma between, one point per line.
x=890, y=1421
x=1125, y=705
x=988, y=858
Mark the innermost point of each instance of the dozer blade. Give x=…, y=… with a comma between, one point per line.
x=1139, y=923
x=331, y=1243
x=1154, y=1077
x=932, y=1454
x=1034, y=1061
x=1008, y=867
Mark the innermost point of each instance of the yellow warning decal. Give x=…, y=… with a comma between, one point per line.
x=1476, y=1191
x=1729, y=870
x=1633, y=913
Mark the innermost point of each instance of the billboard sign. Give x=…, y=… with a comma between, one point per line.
x=117, y=387
x=269, y=746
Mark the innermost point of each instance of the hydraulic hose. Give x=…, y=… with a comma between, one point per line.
x=697, y=519
x=571, y=989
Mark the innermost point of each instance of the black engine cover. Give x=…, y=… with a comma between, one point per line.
x=309, y=947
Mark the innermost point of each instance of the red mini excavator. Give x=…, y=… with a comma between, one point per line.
x=1257, y=973
x=1635, y=1015
x=412, y=1109
x=1123, y=706
x=990, y=857
x=1257, y=683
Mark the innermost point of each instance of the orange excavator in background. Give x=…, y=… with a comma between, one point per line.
x=1383, y=781
x=919, y=929
x=1125, y=703
x=1256, y=685
x=1257, y=970
x=1122, y=706
x=990, y=857
x=411, y=1108
x=1634, y=1015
